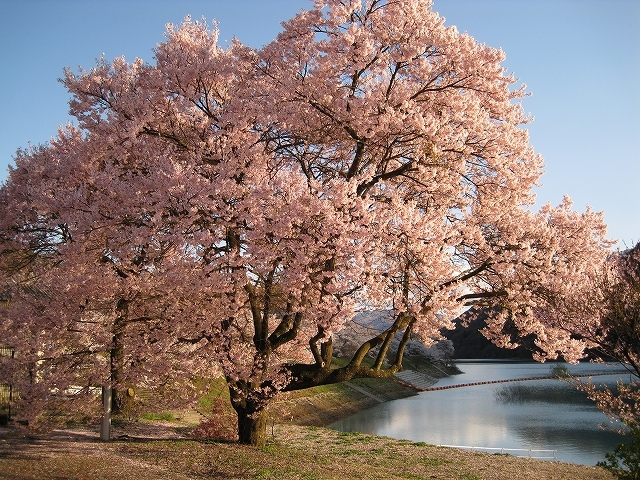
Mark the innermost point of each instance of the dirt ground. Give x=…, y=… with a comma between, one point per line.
x=146, y=451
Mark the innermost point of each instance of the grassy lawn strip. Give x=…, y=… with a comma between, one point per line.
x=293, y=452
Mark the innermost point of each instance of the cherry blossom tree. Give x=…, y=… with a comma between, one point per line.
x=79, y=304
x=606, y=314
x=619, y=287
x=233, y=208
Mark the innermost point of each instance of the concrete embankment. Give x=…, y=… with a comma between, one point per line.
x=418, y=380
x=424, y=383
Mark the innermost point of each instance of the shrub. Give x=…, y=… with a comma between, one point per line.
x=560, y=371
x=624, y=461
x=220, y=424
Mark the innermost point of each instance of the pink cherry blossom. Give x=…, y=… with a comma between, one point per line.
x=229, y=210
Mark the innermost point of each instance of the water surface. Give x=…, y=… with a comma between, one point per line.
x=537, y=414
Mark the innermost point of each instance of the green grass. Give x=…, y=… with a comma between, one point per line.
x=434, y=462
x=158, y=417
x=270, y=448
x=470, y=476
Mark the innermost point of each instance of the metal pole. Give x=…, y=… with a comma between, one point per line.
x=105, y=424
x=13, y=353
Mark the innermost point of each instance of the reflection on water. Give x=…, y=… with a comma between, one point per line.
x=538, y=414
x=532, y=392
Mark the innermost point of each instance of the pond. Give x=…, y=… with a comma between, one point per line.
x=535, y=414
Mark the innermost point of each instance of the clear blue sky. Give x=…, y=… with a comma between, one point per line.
x=579, y=58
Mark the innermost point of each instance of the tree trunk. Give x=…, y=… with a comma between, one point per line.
x=252, y=425
x=121, y=401
x=252, y=416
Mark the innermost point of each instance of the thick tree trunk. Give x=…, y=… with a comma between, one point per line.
x=252, y=416
x=121, y=400
x=252, y=426
x=252, y=423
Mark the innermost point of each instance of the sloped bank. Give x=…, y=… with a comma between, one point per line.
x=322, y=406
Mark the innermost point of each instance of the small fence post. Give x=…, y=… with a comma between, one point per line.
x=5, y=402
x=105, y=424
